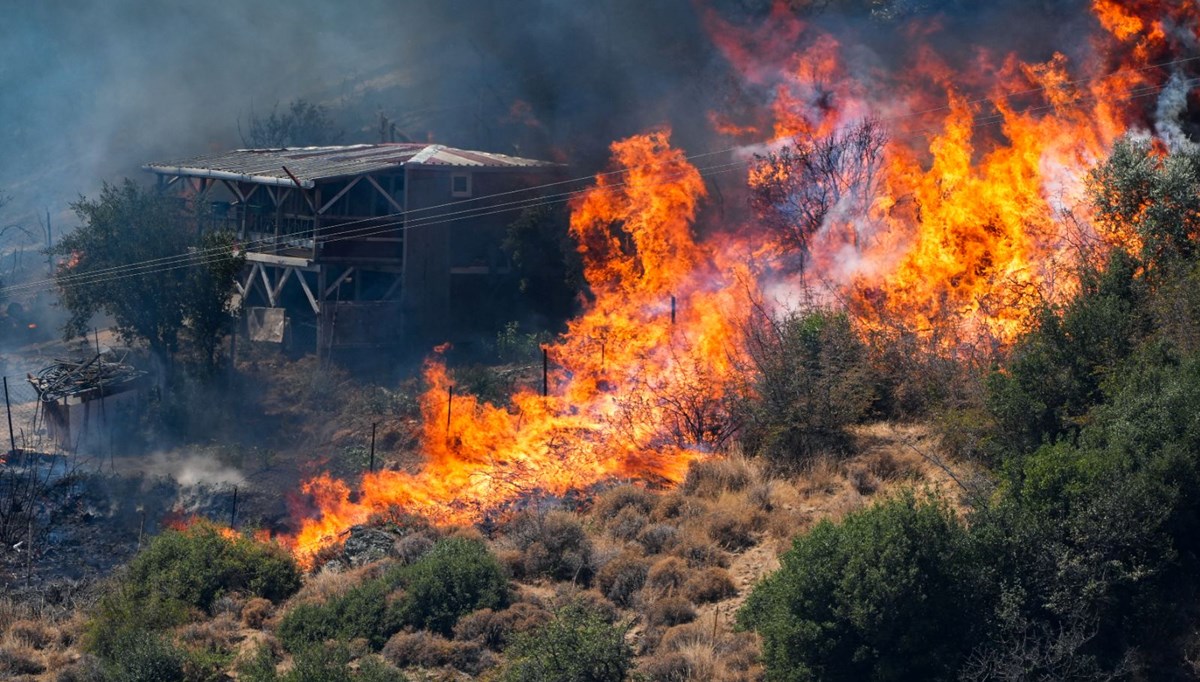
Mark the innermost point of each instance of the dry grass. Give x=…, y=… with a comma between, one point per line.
x=333, y=581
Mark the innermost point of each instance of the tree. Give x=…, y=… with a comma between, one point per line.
x=796, y=189
x=1142, y=196
x=133, y=258
x=302, y=123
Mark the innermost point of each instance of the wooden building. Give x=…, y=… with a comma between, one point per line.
x=363, y=245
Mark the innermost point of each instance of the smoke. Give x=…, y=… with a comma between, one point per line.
x=91, y=91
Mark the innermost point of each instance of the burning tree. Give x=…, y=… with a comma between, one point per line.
x=798, y=188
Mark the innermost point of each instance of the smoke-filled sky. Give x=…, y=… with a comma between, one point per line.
x=89, y=91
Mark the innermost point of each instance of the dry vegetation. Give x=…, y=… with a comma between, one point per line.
x=672, y=566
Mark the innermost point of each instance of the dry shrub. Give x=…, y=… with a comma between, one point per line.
x=886, y=467
x=762, y=496
x=612, y=501
x=86, y=669
x=711, y=477
x=708, y=585
x=590, y=600
x=698, y=550
x=732, y=531
x=412, y=547
x=658, y=538
x=219, y=634
x=621, y=578
x=676, y=506
x=628, y=523
x=553, y=544
x=862, y=480
x=495, y=629
x=256, y=612
x=16, y=659
x=668, y=575
x=820, y=477
x=419, y=648
x=673, y=667
x=37, y=634
x=701, y=656
x=670, y=611
x=331, y=582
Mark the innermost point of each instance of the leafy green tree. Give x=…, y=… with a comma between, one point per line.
x=577, y=645
x=891, y=593
x=1140, y=192
x=128, y=259
x=548, y=266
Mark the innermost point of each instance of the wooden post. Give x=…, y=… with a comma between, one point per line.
x=672, y=309
x=449, y=407
x=141, y=527
x=372, y=466
x=12, y=438
x=233, y=508
x=545, y=372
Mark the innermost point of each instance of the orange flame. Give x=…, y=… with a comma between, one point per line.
x=975, y=210
x=636, y=377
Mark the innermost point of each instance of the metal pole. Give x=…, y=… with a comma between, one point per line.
x=12, y=437
x=372, y=467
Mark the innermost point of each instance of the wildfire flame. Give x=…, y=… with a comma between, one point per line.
x=633, y=377
x=971, y=215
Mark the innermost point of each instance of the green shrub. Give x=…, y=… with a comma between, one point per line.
x=810, y=378
x=362, y=612
x=454, y=578
x=182, y=571
x=577, y=645
x=324, y=662
x=891, y=593
x=145, y=657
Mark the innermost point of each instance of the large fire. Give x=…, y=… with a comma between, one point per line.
x=633, y=379
x=967, y=222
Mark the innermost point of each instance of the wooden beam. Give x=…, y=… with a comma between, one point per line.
x=395, y=204
x=339, y=195
x=250, y=279
x=267, y=286
x=387, y=295
x=232, y=187
x=287, y=272
x=312, y=300
x=337, y=282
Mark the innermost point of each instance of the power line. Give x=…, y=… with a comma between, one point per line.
x=200, y=256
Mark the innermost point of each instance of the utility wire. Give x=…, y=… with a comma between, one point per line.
x=374, y=227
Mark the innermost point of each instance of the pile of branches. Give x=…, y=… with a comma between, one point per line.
x=67, y=378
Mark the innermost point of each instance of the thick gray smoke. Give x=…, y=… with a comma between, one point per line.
x=89, y=91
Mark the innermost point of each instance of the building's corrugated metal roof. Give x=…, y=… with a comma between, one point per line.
x=311, y=164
